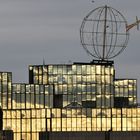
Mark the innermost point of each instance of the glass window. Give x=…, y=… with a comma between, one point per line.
x=37, y=89
x=138, y=124
x=40, y=70
x=89, y=79
x=69, y=69
x=28, y=113
x=84, y=79
x=92, y=70
x=18, y=114
x=4, y=87
x=98, y=89
x=98, y=69
x=9, y=78
x=46, y=89
x=107, y=123
x=65, y=89
x=4, y=77
x=55, y=70
x=60, y=69
x=78, y=123
x=103, y=70
x=94, y=124
x=33, y=113
x=22, y=90
x=32, y=89
x=79, y=79
x=98, y=124
x=34, y=125
x=112, y=71
x=14, y=127
x=45, y=79
x=18, y=125
x=107, y=70
x=114, y=124
x=129, y=124
x=36, y=79
x=35, y=70
x=129, y=114
x=40, y=79
x=50, y=69
x=64, y=69
x=45, y=69
x=24, y=128
x=74, y=69
x=79, y=70
x=22, y=100
x=28, y=101
x=134, y=124
x=28, y=90
x=88, y=69
x=84, y=70
x=64, y=124
x=69, y=124
x=41, y=88
x=32, y=100
x=37, y=99
x=104, y=124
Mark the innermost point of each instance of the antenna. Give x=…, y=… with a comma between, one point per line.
x=43, y=61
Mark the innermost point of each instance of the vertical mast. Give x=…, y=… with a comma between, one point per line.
x=104, y=35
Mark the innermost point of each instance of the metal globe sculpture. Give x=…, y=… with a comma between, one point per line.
x=103, y=33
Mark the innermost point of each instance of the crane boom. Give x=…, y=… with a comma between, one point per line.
x=128, y=27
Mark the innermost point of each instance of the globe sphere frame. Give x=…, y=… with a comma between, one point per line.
x=103, y=33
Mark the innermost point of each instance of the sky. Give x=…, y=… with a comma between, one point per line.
x=33, y=30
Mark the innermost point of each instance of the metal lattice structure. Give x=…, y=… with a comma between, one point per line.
x=103, y=33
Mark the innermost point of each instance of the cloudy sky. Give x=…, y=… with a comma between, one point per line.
x=31, y=30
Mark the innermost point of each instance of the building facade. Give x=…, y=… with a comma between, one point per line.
x=70, y=98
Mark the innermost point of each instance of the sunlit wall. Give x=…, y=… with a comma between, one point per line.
x=76, y=97
x=27, y=124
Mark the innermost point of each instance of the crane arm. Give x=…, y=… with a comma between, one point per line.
x=128, y=27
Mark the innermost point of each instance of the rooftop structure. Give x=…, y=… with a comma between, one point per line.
x=76, y=97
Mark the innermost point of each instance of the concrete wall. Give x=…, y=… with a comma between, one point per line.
x=71, y=135
x=89, y=135
x=6, y=135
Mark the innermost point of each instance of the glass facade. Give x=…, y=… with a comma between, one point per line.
x=27, y=124
x=126, y=88
x=5, y=90
x=78, y=82
x=76, y=97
